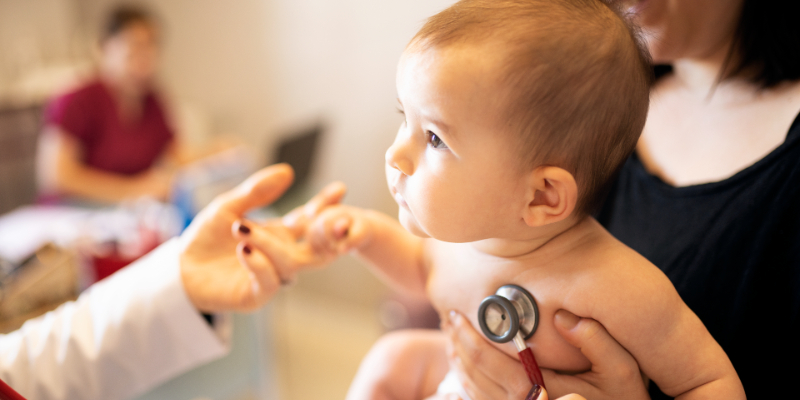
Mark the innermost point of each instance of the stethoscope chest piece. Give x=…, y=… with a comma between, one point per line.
x=509, y=311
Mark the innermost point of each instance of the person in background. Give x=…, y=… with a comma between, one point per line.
x=111, y=138
x=711, y=196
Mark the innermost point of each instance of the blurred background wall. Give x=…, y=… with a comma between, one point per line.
x=261, y=70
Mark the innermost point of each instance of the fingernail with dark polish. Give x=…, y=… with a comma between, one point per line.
x=535, y=392
x=246, y=250
x=244, y=229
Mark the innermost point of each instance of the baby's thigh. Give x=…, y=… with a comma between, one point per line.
x=402, y=365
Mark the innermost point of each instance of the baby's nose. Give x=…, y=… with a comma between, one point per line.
x=398, y=160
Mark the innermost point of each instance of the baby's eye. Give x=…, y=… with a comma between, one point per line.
x=403, y=113
x=435, y=141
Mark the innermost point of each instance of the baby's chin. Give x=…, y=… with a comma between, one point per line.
x=410, y=223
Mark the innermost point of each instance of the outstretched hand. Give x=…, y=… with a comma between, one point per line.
x=212, y=275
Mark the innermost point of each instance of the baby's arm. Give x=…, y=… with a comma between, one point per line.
x=669, y=341
x=401, y=365
x=395, y=254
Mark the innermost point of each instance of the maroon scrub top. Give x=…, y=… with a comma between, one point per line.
x=90, y=114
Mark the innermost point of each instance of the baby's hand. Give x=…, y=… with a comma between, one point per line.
x=281, y=242
x=298, y=220
x=339, y=229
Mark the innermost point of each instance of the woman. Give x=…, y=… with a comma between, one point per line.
x=103, y=141
x=712, y=197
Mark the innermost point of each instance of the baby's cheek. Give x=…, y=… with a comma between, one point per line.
x=448, y=218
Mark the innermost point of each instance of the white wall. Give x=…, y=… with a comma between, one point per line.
x=25, y=42
x=35, y=35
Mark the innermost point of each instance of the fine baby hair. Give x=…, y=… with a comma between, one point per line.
x=576, y=77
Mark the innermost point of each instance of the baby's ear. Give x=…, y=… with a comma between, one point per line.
x=552, y=195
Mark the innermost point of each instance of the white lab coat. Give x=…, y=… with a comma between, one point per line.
x=123, y=336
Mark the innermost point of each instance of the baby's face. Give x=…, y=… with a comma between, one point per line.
x=453, y=168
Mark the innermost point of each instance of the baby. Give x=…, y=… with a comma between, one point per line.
x=517, y=114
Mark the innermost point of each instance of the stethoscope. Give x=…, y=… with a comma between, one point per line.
x=510, y=314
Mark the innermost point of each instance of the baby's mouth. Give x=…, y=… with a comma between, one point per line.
x=399, y=198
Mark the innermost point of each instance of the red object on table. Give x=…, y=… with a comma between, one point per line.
x=7, y=393
x=531, y=367
x=106, y=265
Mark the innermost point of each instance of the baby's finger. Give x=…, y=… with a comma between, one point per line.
x=337, y=232
x=264, y=279
x=355, y=235
x=330, y=195
x=298, y=219
x=340, y=228
x=328, y=230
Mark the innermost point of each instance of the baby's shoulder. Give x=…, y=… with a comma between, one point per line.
x=619, y=277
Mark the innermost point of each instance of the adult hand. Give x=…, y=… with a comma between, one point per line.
x=488, y=373
x=211, y=271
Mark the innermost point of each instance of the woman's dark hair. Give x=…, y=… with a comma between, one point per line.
x=767, y=41
x=766, y=44
x=123, y=16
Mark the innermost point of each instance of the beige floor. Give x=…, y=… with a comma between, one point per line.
x=319, y=341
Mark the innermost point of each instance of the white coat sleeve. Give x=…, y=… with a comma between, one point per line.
x=121, y=337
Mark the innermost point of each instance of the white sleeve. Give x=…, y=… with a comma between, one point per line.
x=123, y=336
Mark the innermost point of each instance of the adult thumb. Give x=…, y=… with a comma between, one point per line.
x=260, y=189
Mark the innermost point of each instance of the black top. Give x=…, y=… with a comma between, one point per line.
x=732, y=249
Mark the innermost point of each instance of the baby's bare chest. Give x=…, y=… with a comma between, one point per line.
x=460, y=281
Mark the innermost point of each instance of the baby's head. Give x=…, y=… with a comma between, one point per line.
x=518, y=114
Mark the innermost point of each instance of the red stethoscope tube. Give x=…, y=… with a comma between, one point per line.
x=7, y=393
x=531, y=366
x=508, y=315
